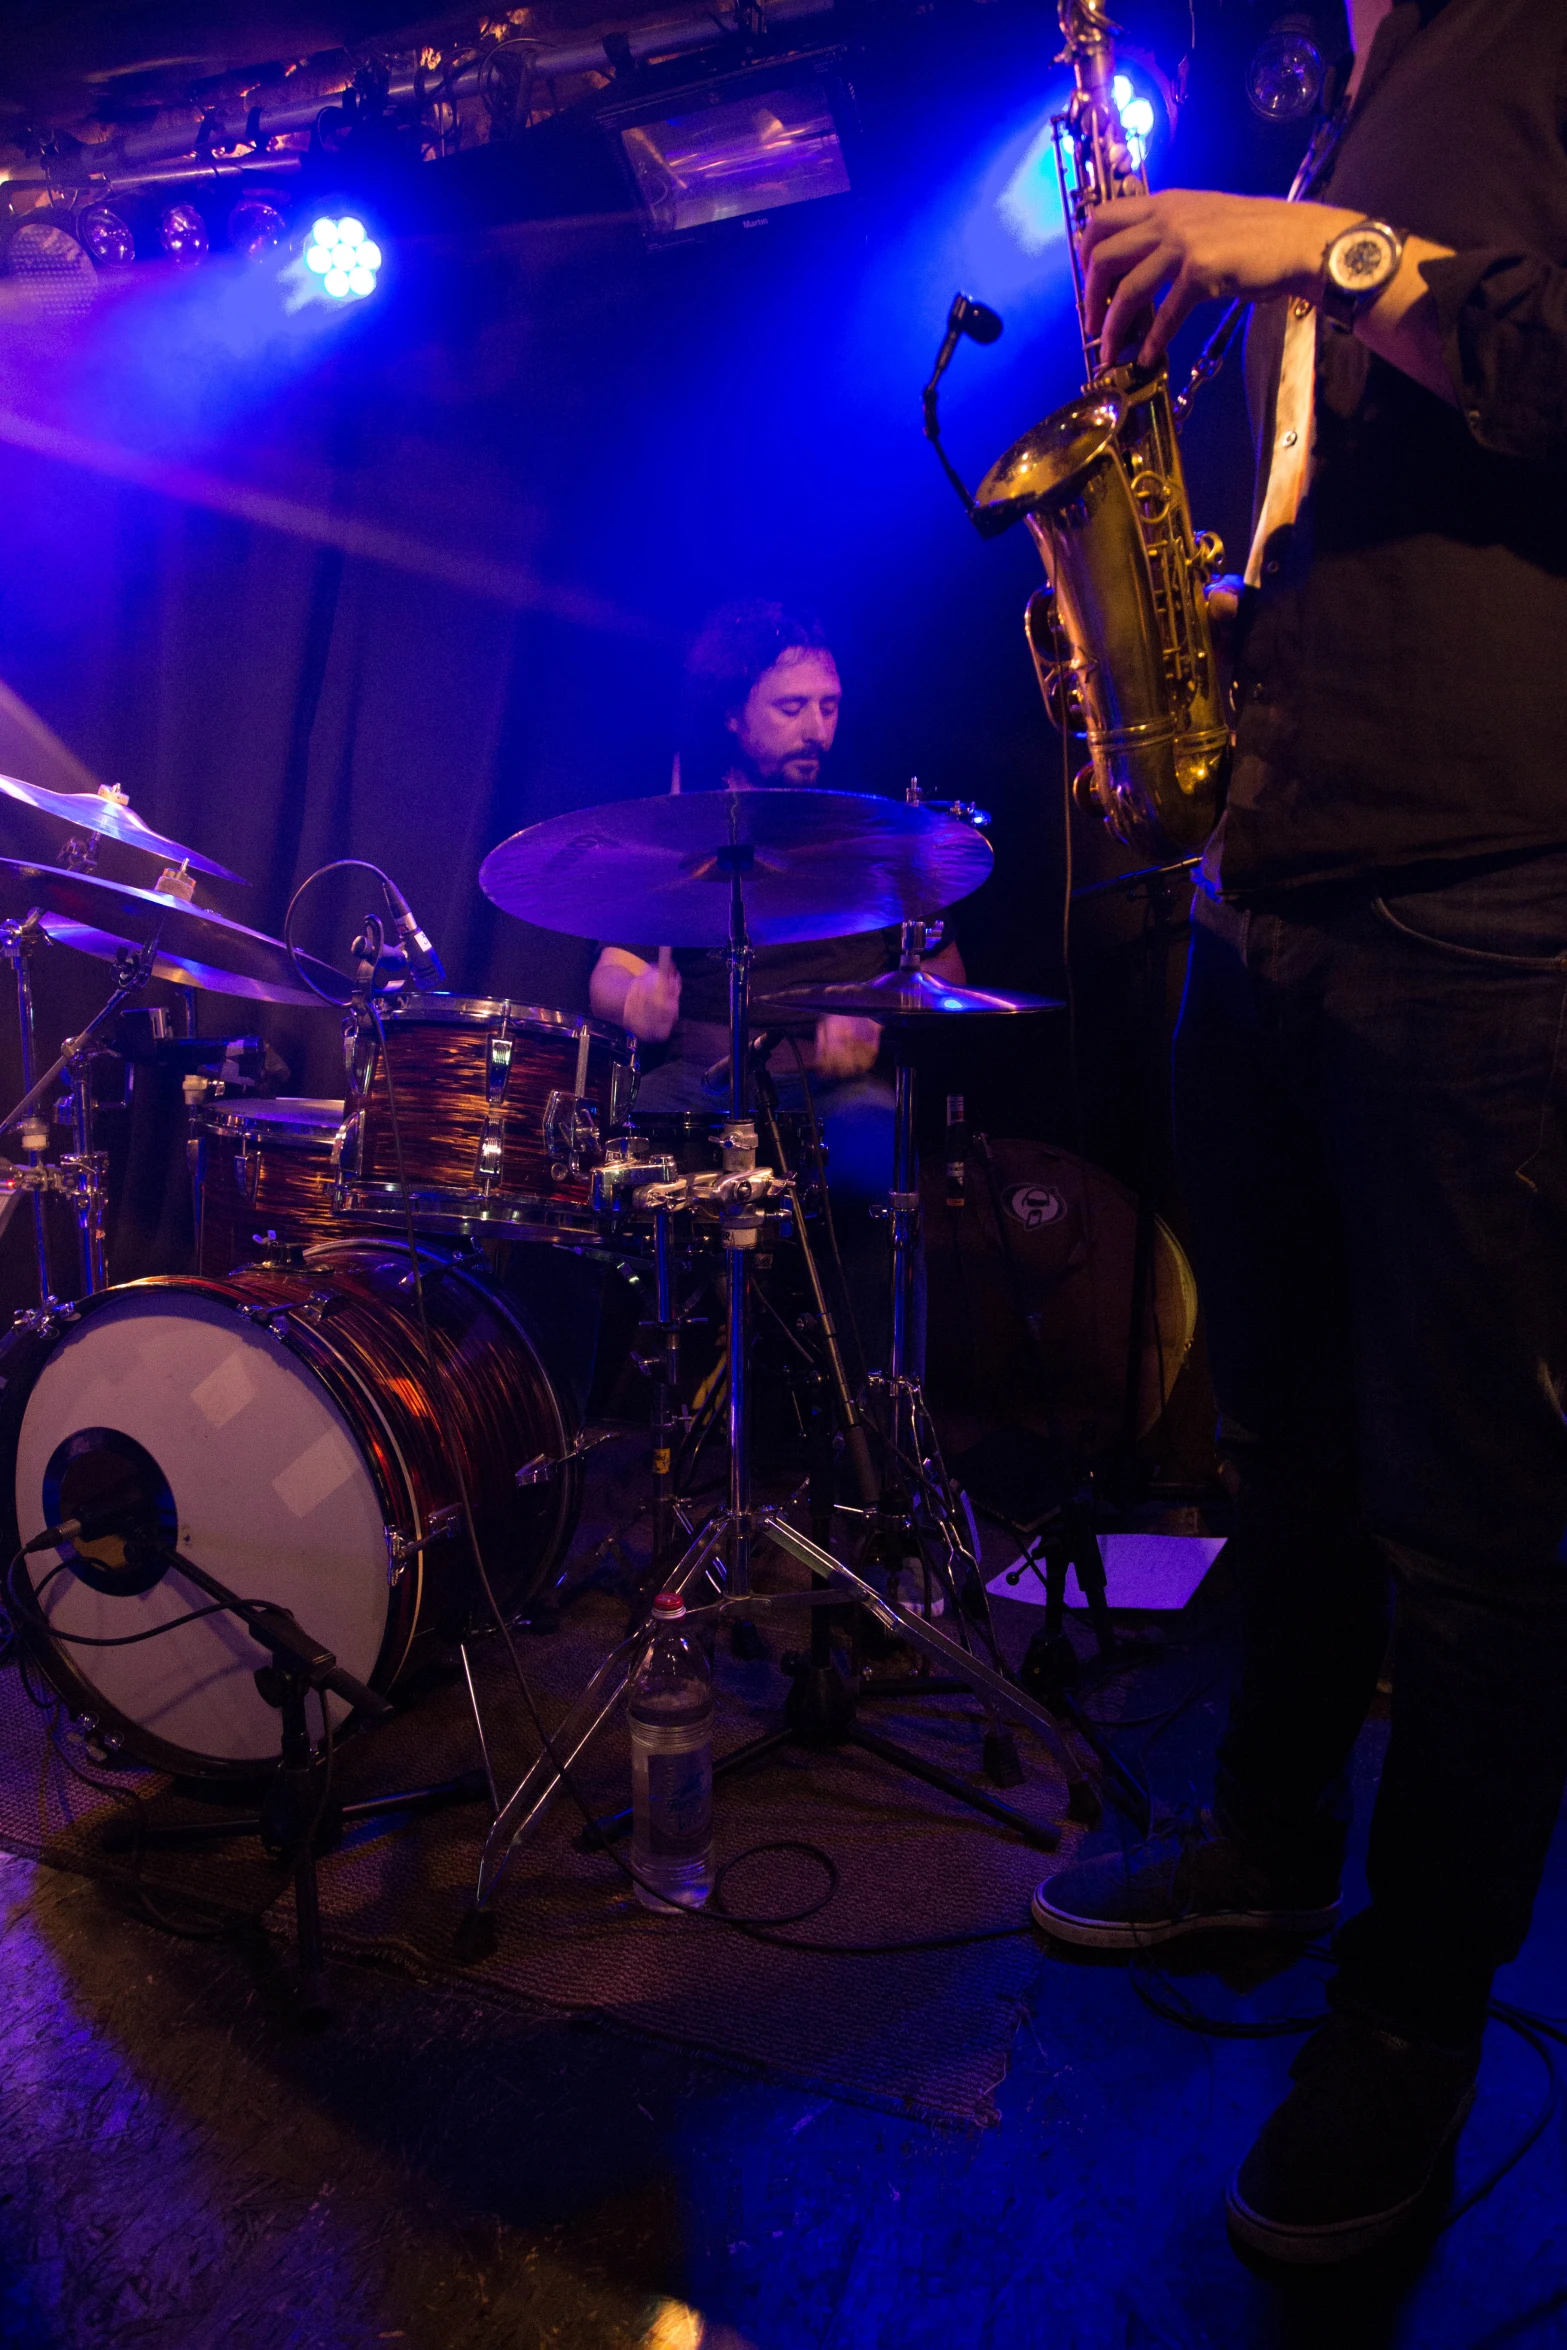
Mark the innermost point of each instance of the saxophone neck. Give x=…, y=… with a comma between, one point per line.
x=1092, y=136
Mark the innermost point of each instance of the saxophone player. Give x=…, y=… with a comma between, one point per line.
x=1371, y=1090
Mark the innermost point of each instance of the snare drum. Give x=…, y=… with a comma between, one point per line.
x=263, y=1170
x=502, y=1110
x=278, y=1426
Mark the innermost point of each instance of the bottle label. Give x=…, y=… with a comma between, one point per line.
x=680, y=1803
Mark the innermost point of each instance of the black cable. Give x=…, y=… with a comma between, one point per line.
x=1157, y=1990
x=338, y=865
x=791, y=1917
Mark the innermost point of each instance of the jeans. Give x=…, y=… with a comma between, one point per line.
x=1370, y=1096
x=856, y=1123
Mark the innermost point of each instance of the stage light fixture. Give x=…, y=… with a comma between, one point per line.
x=1284, y=78
x=735, y=151
x=1137, y=116
x=256, y=227
x=54, y=266
x=107, y=235
x=344, y=257
x=183, y=234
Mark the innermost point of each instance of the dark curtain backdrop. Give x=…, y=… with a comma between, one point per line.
x=565, y=447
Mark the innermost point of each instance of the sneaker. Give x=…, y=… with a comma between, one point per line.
x=1346, y=2161
x=1188, y=1878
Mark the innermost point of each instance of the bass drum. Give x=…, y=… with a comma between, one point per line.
x=278, y=1425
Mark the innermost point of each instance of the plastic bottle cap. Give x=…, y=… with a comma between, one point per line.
x=668, y=1605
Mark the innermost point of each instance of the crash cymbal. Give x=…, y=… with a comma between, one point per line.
x=901, y=997
x=195, y=948
x=113, y=818
x=815, y=864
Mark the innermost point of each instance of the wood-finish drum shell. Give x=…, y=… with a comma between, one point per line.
x=289, y=1415
x=502, y=1110
x=264, y=1172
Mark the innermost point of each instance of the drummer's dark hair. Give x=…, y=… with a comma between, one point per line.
x=735, y=646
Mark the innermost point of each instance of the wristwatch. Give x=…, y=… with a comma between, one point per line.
x=1356, y=265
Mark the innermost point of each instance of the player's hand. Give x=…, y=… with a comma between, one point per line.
x=652, y=1003
x=846, y=1047
x=1164, y=254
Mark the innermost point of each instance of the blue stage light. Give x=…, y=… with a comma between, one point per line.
x=1137, y=116
x=345, y=257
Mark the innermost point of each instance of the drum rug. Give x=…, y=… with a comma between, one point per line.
x=838, y=2002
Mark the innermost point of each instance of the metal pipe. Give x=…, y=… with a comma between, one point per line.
x=19, y=941
x=187, y=136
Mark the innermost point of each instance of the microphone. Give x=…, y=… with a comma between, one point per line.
x=957, y=1152
x=974, y=319
x=89, y=1528
x=424, y=963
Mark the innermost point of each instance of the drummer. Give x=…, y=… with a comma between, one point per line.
x=759, y=711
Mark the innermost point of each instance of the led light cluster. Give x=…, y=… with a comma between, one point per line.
x=1136, y=112
x=344, y=258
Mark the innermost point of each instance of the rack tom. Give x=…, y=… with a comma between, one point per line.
x=501, y=1114
x=263, y=1172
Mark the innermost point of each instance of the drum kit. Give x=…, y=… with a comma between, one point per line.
x=342, y=1409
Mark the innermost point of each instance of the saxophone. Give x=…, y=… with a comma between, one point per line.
x=1120, y=636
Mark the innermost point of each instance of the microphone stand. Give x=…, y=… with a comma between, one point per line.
x=294, y=1811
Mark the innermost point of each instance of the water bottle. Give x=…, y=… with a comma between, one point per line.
x=670, y=1709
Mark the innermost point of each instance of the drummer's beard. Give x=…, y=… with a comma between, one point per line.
x=800, y=771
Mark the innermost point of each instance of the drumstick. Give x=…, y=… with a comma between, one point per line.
x=666, y=962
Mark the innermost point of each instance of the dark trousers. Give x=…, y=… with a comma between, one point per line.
x=1370, y=1099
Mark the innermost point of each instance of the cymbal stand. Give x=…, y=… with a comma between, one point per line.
x=87, y=1166
x=19, y=942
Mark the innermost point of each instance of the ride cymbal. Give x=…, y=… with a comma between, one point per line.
x=812, y=864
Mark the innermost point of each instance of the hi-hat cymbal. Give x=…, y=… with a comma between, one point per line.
x=100, y=812
x=814, y=864
x=195, y=948
x=900, y=998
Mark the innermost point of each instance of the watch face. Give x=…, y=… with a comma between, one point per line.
x=1361, y=259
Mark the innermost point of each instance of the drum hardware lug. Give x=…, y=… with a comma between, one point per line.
x=498, y=1068
x=316, y=1307
x=571, y=1136
x=400, y=1550
x=492, y=1151
x=344, y=1153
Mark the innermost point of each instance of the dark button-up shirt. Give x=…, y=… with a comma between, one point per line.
x=1402, y=679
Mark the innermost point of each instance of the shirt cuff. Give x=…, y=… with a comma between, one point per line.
x=1502, y=318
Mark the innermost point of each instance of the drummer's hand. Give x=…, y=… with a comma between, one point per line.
x=845, y=1047
x=652, y=1003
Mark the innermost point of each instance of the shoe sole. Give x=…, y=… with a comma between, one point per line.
x=1340, y=2240
x=1089, y=1933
